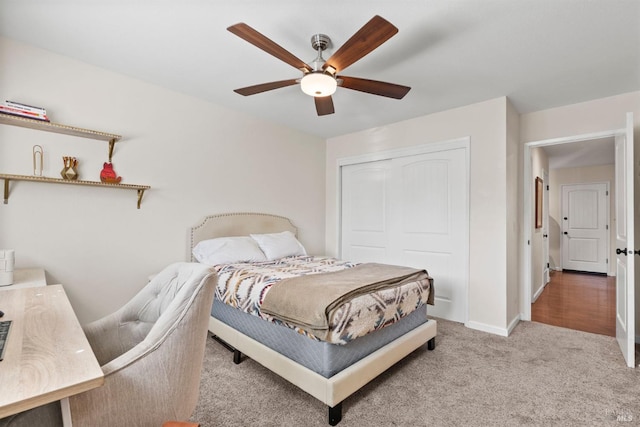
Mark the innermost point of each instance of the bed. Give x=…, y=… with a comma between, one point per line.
x=328, y=371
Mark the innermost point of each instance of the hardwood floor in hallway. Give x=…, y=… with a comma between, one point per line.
x=580, y=301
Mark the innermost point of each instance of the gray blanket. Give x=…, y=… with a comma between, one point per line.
x=307, y=301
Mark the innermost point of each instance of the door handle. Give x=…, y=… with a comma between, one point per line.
x=621, y=251
x=566, y=232
x=545, y=235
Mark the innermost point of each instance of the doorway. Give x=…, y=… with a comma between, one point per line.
x=575, y=230
x=624, y=229
x=570, y=161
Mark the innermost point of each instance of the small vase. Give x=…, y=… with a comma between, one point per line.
x=69, y=170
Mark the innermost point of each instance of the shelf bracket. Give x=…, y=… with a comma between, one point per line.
x=112, y=142
x=140, y=194
x=6, y=191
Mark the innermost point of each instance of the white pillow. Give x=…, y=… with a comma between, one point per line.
x=227, y=250
x=279, y=245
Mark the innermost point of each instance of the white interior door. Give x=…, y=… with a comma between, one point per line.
x=625, y=274
x=584, y=227
x=413, y=211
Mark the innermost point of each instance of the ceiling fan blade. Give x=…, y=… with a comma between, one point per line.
x=375, y=32
x=375, y=87
x=252, y=90
x=247, y=33
x=324, y=105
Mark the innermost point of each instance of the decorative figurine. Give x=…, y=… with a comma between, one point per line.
x=108, y=175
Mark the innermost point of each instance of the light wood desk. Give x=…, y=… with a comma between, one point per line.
x=47, y=356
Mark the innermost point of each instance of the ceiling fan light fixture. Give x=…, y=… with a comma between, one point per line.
x=318, y=83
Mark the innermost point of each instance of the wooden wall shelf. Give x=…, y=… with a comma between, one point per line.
x=8, y=177
x=60, y=128
x=66, y=130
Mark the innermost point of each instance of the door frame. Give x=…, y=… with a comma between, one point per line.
x=607, y=239
x=527, y=214
x=432, y=147
x=545, y=228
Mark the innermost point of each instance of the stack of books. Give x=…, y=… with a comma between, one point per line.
x=23, y=110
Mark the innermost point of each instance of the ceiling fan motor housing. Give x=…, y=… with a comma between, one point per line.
x=320, y=42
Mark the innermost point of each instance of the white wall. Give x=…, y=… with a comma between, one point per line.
x=579, y=175
x=198, y=158
x=599, y=115
x=514, y=213
x=539, y=162
x=486, y=124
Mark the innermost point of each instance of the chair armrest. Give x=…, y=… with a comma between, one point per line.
x=104, y=339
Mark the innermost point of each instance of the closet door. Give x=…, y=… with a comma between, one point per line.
x=364, y=211
x=429, y=224
x=412, y=211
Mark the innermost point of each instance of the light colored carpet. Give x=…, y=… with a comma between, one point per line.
x=540, y=375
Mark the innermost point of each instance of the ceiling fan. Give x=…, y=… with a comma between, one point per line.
x=320, y=79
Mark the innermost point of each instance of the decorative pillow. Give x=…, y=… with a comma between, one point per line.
x=227, y=250
x=279, y=245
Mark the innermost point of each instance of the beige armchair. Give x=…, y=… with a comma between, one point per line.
x=151, y=351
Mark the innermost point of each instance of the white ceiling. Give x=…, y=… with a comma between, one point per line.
x=593, y=152
x=539, y=53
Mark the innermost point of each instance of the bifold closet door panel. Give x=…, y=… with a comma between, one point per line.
x=411, y=211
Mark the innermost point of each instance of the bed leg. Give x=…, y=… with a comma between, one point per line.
x=335, y=414
x=431, y=344
x=237, y=355
x=223, y=343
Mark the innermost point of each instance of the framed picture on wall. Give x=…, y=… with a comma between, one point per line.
x=538, y=202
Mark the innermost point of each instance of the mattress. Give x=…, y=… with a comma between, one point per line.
x=322, y=357
x=244, y=286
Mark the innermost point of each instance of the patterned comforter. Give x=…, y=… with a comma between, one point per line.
x=244, y=286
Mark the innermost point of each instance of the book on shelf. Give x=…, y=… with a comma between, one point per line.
x=23, y=113
x=25, y=107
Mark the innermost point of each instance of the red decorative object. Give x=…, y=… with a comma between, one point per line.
x=108, y=175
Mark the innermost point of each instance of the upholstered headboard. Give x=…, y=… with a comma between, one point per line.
x=237, y=224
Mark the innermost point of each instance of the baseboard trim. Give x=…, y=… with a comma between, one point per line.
x=503, y=332
x=609, y=273
x=537, y=294
x=513, y=324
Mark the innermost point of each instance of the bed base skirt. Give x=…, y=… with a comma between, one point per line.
x=331, y=391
